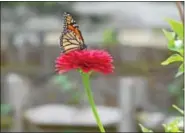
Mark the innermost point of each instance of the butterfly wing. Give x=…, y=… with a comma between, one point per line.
x=71, y=38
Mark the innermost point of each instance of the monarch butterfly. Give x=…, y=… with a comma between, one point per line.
x=71, y=38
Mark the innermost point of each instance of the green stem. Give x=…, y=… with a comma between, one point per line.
x=86, y=83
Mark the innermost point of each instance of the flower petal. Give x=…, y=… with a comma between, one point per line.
x=86, y=60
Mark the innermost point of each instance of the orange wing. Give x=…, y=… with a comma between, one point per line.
x=71, y=25
x=71, y=38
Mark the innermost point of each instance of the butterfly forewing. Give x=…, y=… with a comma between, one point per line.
x=71, y=38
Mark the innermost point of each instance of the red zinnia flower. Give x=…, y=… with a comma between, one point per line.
x=86, y=60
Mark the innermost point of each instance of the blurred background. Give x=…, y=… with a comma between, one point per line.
x=140, y=90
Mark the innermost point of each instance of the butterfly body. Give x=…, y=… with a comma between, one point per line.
x=71, y=38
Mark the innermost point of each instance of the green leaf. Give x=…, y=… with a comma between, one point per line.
x=171, y=45
x=180, y=70
x=64, y=82
x=181, y=51
x=172, y=58
x=169, y=35
x=178, y=74
x=178, y=109
x=174, y=45
x=144, y=129
x=173, y=126
x=109, y=37
x=172, y=48
x=177, y=27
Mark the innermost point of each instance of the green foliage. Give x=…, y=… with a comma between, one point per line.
x=67, y=86
x=177, y=27
x=173, y=58
x=180, y=70
x=175, y=89
x=178, y=109
x=175, y=44
x=143, y=129
x=64, y=82
x=109, y=37
x=172, y=126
